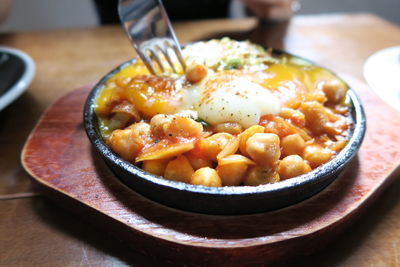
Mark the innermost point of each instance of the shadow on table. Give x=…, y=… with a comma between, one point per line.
x=16, y=123
x=356, y=234
x=101, y=246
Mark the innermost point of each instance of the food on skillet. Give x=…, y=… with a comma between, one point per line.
x=237, y=116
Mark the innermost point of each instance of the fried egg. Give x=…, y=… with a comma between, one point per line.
x=230, y=97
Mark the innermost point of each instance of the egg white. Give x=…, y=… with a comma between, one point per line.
x=236, y=100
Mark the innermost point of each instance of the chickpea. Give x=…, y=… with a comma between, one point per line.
x=334, y=90
x=229, y=127
x=232, y=169
x=211, y=146
x=156, y=166
x=295, y=116
x=293, y=144
x=164, y=149
x=157, y=124
x=128, y=109
x=230, y=148
x=264, y=148
x=317, y=95
x=179, y=169
x=292, y=166
x=183, y=127
x=232, y=174
x=195, y=73
x=316, y=116
x=258, y=175
x=198, y=162
x=338, y=145
x=246, y=135
x=129, y=142
x=141, y=129
x=121, y=142
x=316, y=155
x=118, y=120
x=332, y=129
x=206, y=176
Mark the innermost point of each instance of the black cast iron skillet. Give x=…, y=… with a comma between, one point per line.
x=229, y=200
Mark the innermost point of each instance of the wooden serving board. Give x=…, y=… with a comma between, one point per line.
x=59, y=157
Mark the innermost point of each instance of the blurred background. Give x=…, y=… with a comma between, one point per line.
x=52, y=14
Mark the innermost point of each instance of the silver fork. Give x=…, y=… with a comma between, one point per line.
x=150, y=32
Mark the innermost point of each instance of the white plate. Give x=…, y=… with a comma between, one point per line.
x=23, y=82
x=382, y=73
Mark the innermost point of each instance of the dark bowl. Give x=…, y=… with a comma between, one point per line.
x=229, y=200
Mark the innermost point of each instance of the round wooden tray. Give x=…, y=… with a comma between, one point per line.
x=59, y=157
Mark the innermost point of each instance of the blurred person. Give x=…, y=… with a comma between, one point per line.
x=5, y=7
x=272, y=10
x=267, y=10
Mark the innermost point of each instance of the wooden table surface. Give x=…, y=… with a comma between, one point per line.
x=36, y=232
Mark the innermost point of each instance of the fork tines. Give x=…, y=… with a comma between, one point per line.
x=162, y=51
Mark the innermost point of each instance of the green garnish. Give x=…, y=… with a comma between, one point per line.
x=202, y=122
x=233, y=63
